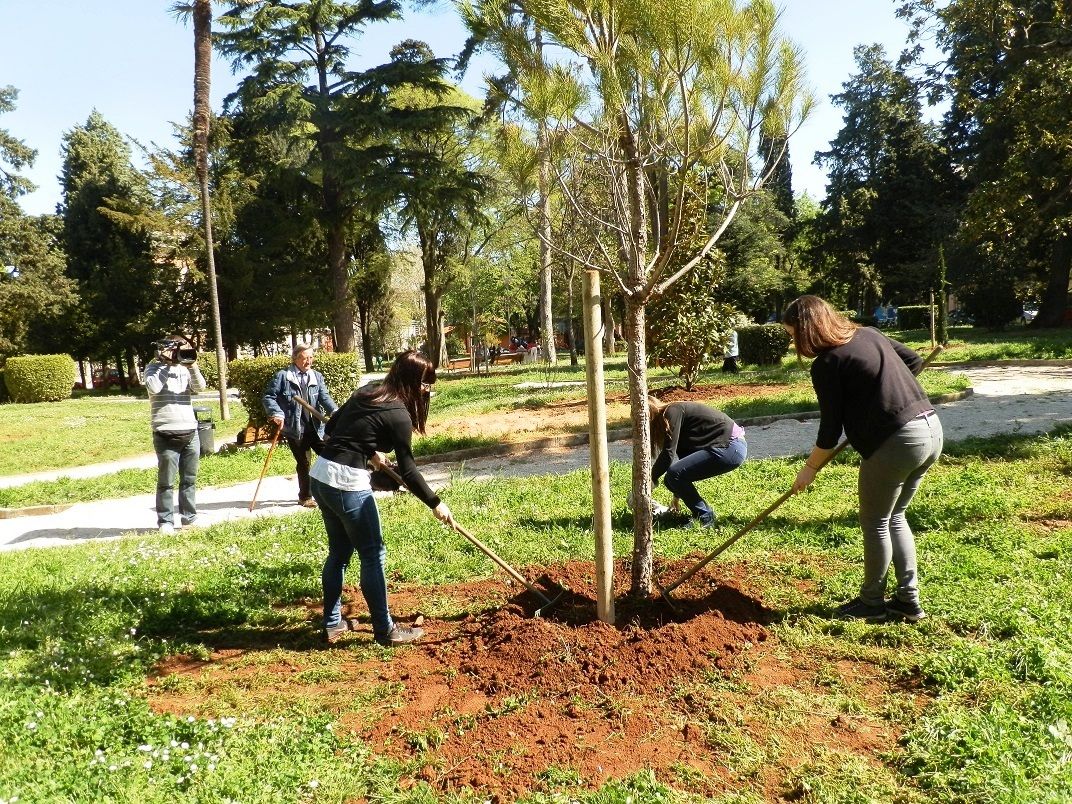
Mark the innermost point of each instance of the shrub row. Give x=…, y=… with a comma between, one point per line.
x=39, y=378
x=250, y=376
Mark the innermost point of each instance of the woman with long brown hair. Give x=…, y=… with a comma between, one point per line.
x=866, y=385
x=372, y=422
x=693, y=442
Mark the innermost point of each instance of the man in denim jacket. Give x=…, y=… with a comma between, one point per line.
x=299, y=428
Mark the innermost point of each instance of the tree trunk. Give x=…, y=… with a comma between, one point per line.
x=609, y=344
x=342, y=316
x=636, y=360
x=1055, y=296
x=571, y=338
x=433, y=315
x=202, y=14
x=366, y=336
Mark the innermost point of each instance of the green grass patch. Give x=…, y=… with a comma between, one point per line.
x=81, y=626
x=86, y=430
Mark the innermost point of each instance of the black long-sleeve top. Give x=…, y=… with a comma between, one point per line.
x=360, y=428
x=868, y=388
x=691, y=426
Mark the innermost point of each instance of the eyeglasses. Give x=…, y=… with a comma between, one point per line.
x=426, y=387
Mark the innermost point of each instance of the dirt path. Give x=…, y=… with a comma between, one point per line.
x=1005, y=400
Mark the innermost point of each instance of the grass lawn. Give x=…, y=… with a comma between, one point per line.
x=978, y=696
x=1015, y=343
x=87, y=429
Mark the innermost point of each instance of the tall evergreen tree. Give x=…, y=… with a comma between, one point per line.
x=1007, y=74
x=120, y=284
x=302, y=84
x=887, y=201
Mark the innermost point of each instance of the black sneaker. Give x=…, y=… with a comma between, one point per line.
x=857, y=609
x=400, y=635
x=897, y=609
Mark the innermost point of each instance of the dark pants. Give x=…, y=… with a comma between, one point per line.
x=729, y=365
x=301, y=448
x=682, y=475
x=176, y=454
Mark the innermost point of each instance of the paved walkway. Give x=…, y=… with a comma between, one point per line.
x=1005, y=400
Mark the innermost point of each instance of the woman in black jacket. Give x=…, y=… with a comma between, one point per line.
x=372, y=422
x=866, y=386
x=693, y=442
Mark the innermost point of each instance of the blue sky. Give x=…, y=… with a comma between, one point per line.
x=132, y=61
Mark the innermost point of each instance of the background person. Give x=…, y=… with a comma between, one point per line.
x=373, y=421
x=694, y=442
x=171, y=378
x=866, y=386
x=299, y=428
x=733, y=354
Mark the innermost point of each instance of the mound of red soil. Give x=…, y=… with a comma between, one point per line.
x=505, y=703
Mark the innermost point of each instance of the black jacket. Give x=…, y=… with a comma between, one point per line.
x=868, y=388
x=360, y=428
x=692, y=426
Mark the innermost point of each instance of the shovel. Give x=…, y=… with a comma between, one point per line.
x=665, y=591
x=483, y=548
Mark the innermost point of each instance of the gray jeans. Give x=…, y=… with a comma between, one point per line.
x=889, y=480
x=176, y=455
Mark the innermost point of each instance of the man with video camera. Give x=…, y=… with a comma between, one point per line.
x=171, y=378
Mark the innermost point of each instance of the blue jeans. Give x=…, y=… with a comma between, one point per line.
x=888, y=481
x=176, y=455
x=683, y=473
x=352, y=522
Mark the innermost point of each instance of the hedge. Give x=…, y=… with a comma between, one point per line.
x=763, y=344
x=914, y=316
x=39, y=378
x=206, y=361
x=250, y=376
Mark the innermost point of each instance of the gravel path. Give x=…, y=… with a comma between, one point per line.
x=1005, y=400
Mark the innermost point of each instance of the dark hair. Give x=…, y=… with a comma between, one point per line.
x=404, y=382
x=817, y=326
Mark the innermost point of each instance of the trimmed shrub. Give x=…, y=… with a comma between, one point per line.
x=763, y=344
x=251, y=376
x=3, y=388
x=39, y=378
x=206, y=361
x=914, y=316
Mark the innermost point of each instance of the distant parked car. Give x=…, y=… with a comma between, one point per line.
x=961, y=317
x=1029, y=314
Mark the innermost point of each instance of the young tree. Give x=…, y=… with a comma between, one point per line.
x=674, y=96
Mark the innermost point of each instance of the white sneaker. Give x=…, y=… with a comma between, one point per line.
x=167, y=529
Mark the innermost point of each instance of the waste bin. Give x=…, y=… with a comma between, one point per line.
x=205, y=430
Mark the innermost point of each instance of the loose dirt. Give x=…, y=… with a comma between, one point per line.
x=499, y=701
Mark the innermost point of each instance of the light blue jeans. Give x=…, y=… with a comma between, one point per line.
x=176, y=456
x=889, y=479
x=352, y=522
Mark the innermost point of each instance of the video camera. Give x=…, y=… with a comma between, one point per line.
x=176, y=351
